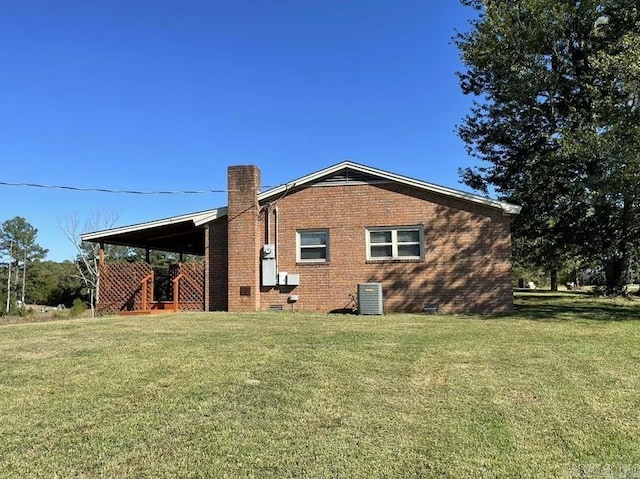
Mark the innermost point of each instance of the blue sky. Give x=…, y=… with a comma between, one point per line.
x=149, y=95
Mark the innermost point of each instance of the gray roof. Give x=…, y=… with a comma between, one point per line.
x=184, y=233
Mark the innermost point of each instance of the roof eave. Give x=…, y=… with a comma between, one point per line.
x=198, y=219
x=507, y=208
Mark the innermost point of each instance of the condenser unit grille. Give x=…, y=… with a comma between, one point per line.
x=370, y=298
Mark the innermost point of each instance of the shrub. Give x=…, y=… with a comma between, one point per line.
x=77, y=308
x=24, y=311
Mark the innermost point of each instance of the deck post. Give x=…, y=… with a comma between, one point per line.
x=147, y=290
x=101, y=254
x=176, y=292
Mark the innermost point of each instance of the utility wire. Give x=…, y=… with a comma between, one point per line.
x=128, y=192
x=108, y=190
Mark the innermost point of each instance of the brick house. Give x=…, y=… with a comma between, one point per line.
x=306, y=245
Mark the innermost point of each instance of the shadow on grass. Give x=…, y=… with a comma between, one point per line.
x=572, y=307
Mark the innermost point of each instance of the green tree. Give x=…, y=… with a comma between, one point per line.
x=615, y=218
x=52, y=283
x=18, y=243
x=4, y=292
x=555, y=124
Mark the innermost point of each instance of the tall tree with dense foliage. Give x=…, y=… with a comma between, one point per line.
x=18, y=243
x=51, y=283
x=555, y=123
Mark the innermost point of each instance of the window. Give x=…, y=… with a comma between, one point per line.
x=313, y=246
x=395, y=243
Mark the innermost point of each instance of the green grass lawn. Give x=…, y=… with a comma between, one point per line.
x=539, y=393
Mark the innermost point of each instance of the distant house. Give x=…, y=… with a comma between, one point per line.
x=306, y=245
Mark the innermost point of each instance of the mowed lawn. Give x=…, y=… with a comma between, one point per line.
x=541, y=393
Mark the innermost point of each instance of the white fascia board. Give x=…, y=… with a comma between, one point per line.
x=209, y=216
x=197, y=219
x=306, y=179
x=506, y=208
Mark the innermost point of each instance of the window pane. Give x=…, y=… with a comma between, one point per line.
x=409, y=250
x=381, y=251
x=313, y=238
x=313, y=253
x=408, y=236
x=380, y=237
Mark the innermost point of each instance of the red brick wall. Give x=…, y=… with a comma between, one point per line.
x=244, y=239
x=467, y=264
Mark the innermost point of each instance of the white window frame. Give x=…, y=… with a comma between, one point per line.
x=394, y=242
x=300, y=247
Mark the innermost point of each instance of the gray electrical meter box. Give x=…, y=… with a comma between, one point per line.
x=269, y=275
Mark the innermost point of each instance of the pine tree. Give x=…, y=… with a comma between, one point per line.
x=18, y=242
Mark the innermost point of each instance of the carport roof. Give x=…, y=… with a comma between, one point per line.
x=180, y=234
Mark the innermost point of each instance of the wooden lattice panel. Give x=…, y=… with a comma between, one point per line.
x=191, y=297
x=121, y=287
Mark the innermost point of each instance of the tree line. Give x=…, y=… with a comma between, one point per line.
x=556, y=125
x=19, y=247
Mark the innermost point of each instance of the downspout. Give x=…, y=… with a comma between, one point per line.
x=275, y=218
x=267, y=214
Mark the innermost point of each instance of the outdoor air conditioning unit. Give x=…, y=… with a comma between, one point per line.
x=369, y=298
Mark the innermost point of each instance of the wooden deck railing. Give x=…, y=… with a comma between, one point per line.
x=147, y=290
x=176, y=292
x=129, y=288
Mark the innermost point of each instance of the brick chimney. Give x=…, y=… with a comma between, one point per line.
x=244, y=239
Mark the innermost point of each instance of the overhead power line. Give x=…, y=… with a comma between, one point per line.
x=108, y=190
